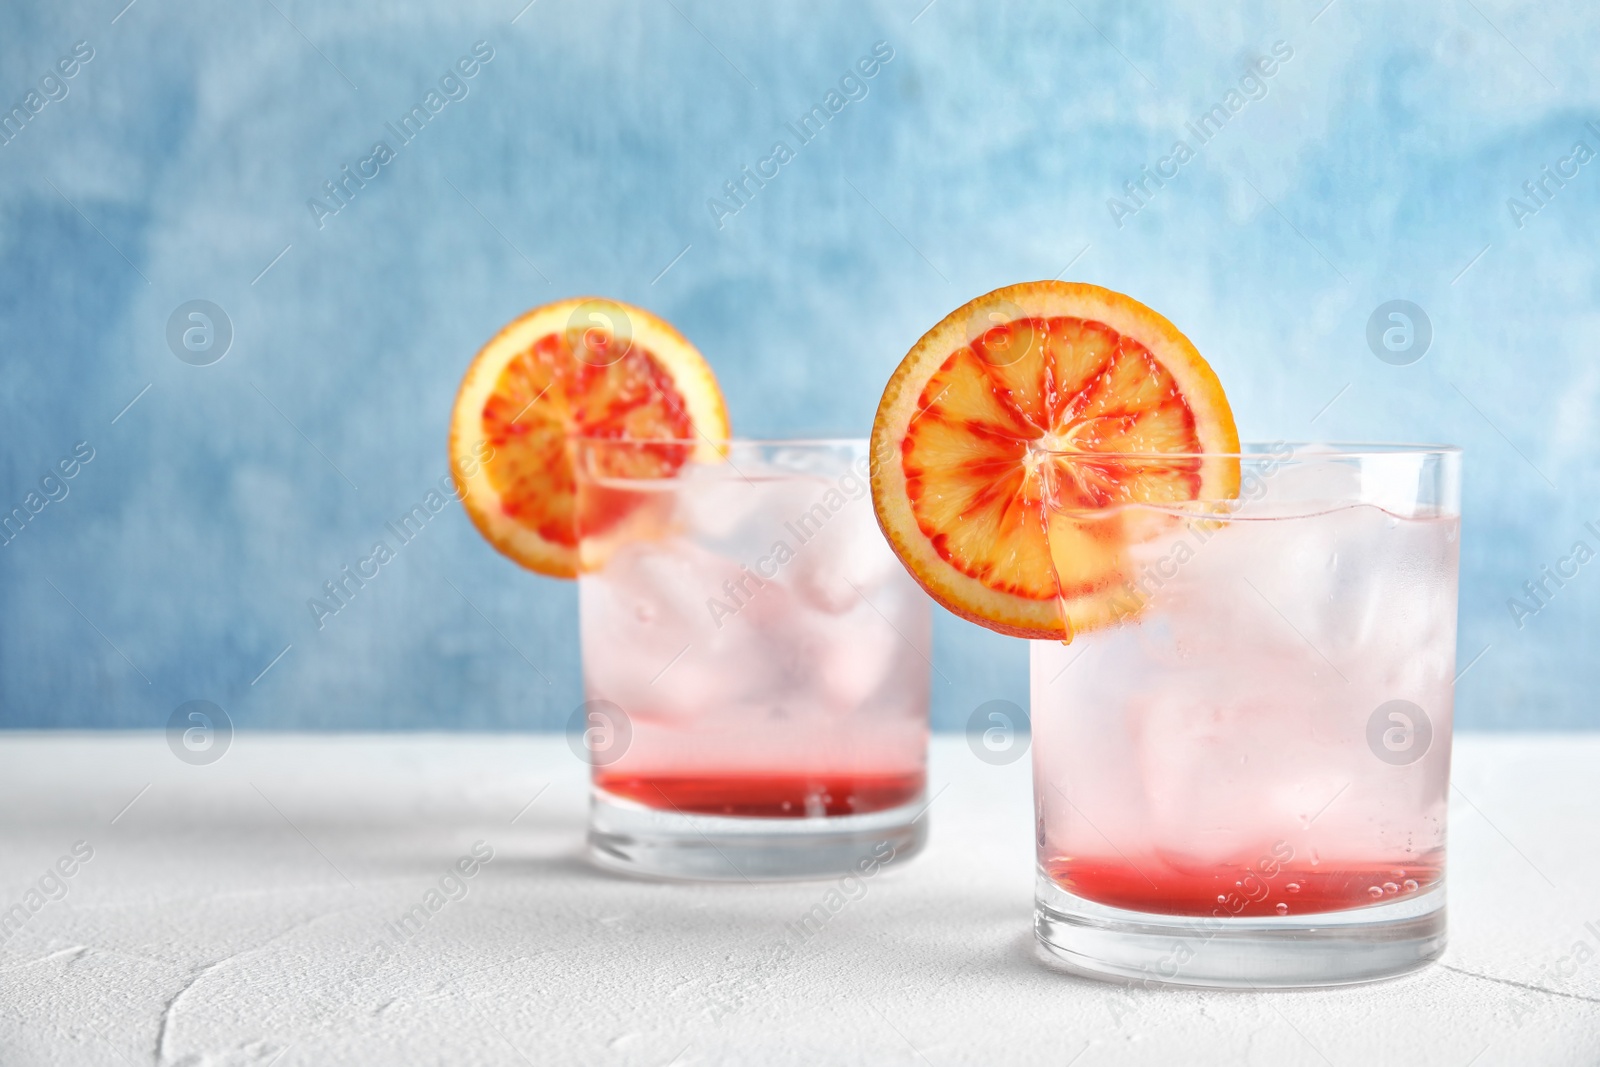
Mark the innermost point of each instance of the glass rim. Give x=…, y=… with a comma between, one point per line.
x=719, y=442
x=1298, y=450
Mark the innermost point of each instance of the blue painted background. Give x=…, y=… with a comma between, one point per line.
x=1375, y=163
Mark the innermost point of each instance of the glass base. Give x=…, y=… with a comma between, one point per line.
x=630, y=838
x=1325, y=949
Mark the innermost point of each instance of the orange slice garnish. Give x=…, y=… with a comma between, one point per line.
x=583, y=367
x=1013, y=430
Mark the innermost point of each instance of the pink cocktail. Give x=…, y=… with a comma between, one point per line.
x=1244, y=779
x=755, y=661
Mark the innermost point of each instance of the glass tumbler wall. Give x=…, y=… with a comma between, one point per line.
x=1241, y=777
x=755, y=661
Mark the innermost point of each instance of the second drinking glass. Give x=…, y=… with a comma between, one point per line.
x=1242, y=780
x=755, y=661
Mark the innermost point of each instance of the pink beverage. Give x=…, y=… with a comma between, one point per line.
x=749, y=629
x=1260, y=749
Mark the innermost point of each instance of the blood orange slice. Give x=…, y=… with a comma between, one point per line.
x=581, y=367
x=1012, y=431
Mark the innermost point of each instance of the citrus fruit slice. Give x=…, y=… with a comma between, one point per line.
x=583, y=367
x=1011, y=428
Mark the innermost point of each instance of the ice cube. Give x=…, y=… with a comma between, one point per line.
x=715, y=502
x=846, y=559
x=1302, y=485
x=651, y=601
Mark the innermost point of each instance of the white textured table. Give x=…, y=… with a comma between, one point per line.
x=243, y=913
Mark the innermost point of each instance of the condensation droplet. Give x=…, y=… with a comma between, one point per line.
x=1222, y=898
x=1390, y=888
x=1315, y=859
x=1293, y=887
x=1374, y=892
x=1409, y=885
x=1283, y=909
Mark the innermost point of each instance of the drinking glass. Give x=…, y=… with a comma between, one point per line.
x=1240, y=778
x=755, y=662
